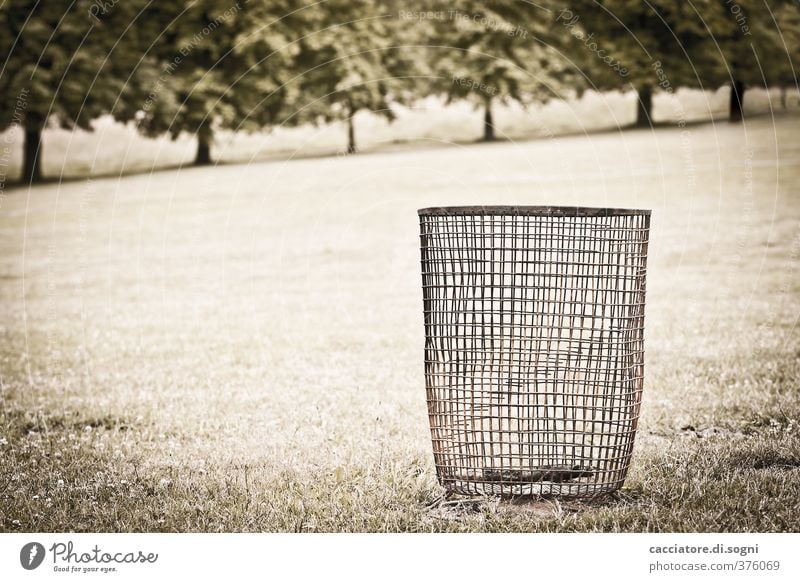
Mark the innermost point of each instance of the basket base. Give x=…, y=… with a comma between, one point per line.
x=483, y=489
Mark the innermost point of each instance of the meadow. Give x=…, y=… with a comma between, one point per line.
x=239, y=348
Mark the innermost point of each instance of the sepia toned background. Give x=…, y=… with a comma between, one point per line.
x=210, y=303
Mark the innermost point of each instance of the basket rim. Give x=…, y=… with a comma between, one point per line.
x=509, y=210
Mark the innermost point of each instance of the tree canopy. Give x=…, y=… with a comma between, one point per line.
x=357, y=58
x=66, y=63
x=643, y=46
x=198, y=66
x=487, y=52
x=217, y=64
x=751, y=45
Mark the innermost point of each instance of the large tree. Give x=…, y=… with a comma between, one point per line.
x=641, y=46
x=221, y=66
x=64, y=62
x=488, y=51
x=752, y=45
x=745, y=40
x=357, y=57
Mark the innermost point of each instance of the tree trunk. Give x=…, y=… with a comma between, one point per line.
x=737, y=101
x=32, y=149
x=488, y=121
x=644, y=108
x=351, y=133
x=205, y=136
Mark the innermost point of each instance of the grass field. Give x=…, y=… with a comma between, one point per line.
x=240, y=348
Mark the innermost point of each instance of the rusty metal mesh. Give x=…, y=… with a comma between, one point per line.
x=533, y=346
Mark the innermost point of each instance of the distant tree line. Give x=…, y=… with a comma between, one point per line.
x=198, y=66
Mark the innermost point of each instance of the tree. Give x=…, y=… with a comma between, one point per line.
x=68, y=64
x=750, y=45
x=356, y=59
x=641, y=46
x=217, y=64
x=787, y=18
x=492, y=51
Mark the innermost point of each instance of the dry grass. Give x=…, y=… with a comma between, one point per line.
x=240, y=348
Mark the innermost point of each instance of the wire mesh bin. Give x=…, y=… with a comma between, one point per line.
x=534, y=356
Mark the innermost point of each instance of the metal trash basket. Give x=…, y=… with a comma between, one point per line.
x=534, y=356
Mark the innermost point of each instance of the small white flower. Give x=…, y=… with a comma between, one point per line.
x=35, y=497
x=3, y=441
x=60, y=483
